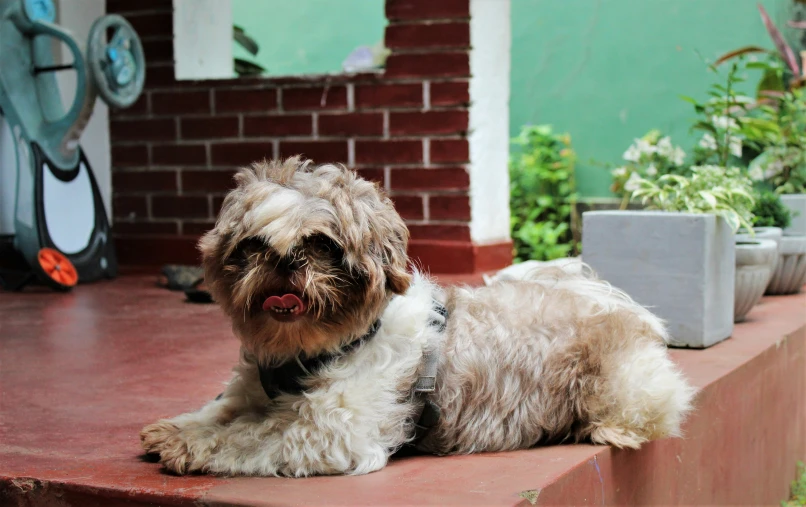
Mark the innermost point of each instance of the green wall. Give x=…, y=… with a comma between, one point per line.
x=606, y=71
x=307, y=36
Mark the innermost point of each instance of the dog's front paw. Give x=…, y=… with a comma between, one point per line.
x=180, y=450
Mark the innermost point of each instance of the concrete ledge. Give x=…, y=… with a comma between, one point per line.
x=81, y=373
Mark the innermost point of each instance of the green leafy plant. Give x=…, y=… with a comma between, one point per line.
x=770, y=211
x=242, y=66
x=725, y=192
x=649, y=157
x=542, y=197
x=797, y=496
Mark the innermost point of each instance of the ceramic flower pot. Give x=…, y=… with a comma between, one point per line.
x=680, y=265
x=797, y=205
x=773, y=233
x=754, y=263
x=790, y=274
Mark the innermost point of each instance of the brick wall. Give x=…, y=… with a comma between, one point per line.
x=174, y=152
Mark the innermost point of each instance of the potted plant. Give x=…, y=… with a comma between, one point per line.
x=678, y=256
x=755, y=259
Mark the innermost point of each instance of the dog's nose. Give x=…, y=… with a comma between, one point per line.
x=289, y=263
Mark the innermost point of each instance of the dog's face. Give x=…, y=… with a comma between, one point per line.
x=303, y=258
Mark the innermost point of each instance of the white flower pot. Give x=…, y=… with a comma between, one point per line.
x=754, y=263
x=680, y=265
x=773, y=233
x=797, y=205
x=790, y=274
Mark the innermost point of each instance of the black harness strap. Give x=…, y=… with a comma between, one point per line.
x=288, y=377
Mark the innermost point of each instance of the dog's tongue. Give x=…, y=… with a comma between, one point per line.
x=284, y=302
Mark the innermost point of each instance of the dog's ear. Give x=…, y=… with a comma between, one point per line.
x=395, y=266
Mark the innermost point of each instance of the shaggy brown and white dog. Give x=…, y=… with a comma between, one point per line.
x=341, y=344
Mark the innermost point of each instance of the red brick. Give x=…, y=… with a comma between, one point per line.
x=185, y=102
x=144, y=181
x=240, y=153
x=162, y=75
x=444, y=257
x=449, y=207
x=432, y=35
x=179, y=154
x=159, y=50
x=163, y=129
x=456, y=64
x=334, y=97
x=152, y=24
x=196, y=228
x=144, y=228
x=278, y=125
x=129, y=206
x=207, y=181
x=396, y=95
x=372, y=174
x=139, y=107
x=218, y=201
x=129, y=155
x=427, y=9
x=118, y=6
x=449, y=150
x=245, y=100
x=429, y=122
x=157, y=250
x=450, y=93
x=318, y=151
x=351, y=124
x=388, y=152
x=409, y=207
x=209, y=128
x=493, y=256
x=443, y=232
x=179, y=206
x=454, y=178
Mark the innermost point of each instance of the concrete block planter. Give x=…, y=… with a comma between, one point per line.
x=754, y=264
x=797, y=205
x=680, y=265
x=773, y=233
x=790, y=274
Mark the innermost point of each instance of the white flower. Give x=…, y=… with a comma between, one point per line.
x=678, y=156
x=633, y=154
x=619, y=172
x=645, y=147
x=652, y=170
x=708, y=142
x=735, y=146
x=633, y=184
x=664, y=147
x=724, y=122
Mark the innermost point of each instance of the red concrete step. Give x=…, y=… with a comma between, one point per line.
x=81, y=373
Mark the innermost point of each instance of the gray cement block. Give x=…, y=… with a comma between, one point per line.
x=680, y=265
x=797, y=205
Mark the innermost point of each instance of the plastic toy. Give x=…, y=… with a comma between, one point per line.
x=52, y=218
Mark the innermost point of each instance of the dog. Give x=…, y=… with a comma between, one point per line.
x=347, y=355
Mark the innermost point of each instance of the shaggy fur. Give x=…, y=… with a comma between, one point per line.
x=552, y=356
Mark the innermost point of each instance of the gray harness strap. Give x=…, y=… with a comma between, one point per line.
x=427, y=381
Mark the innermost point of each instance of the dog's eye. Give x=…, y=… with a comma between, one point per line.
x=244, y=249
x=323, y=245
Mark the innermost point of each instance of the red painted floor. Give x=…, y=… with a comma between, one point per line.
x=81, y=373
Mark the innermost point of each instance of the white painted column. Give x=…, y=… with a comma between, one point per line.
x=491, y=42
x=203, y=39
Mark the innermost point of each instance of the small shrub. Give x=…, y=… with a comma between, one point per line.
x=770, y=211
x=798, y=489
x=542, y=197
x=725, y=192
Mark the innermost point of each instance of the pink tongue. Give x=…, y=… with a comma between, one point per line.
x=286, y=301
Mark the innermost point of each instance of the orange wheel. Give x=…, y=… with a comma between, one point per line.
x=57, y=267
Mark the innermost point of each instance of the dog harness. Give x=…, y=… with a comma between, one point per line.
x=289, y=376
